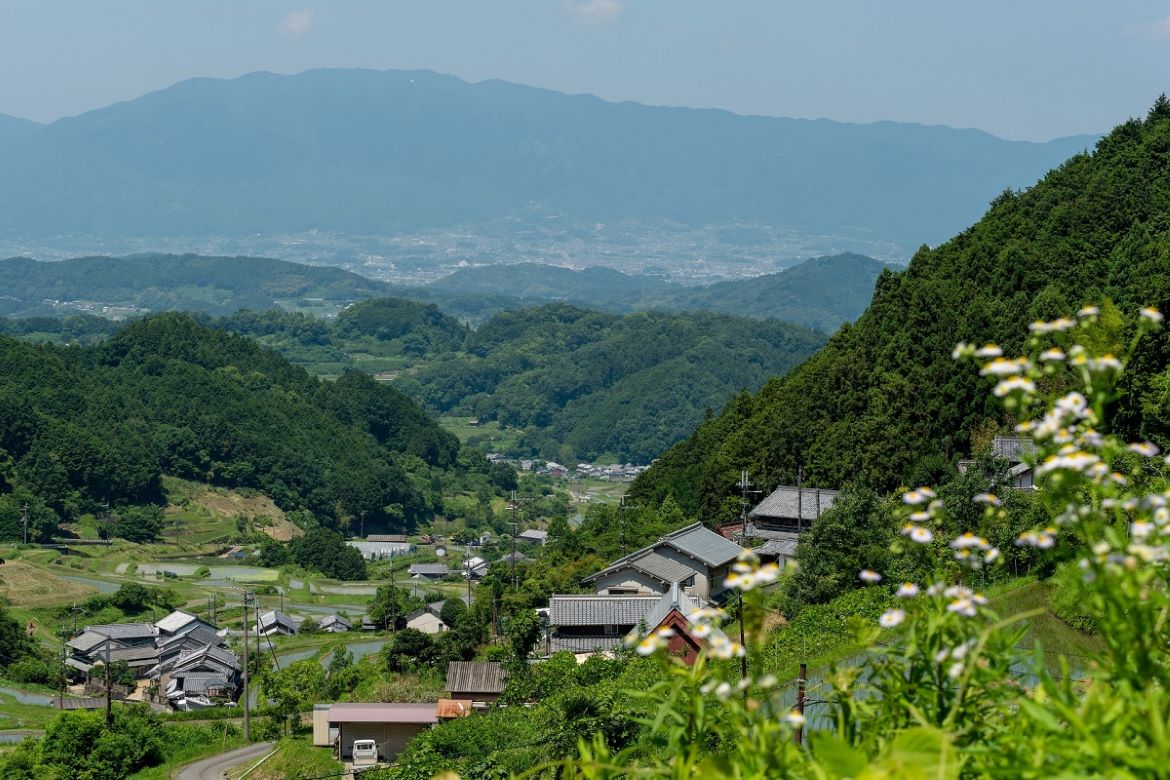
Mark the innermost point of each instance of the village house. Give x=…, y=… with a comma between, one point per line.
x=425, y=621
x=533, y=535
x=429, y=571
x=695, y=556
x=598, y=623
x=335, y=624
x=1019, y=452
x=275, y=623
x=779, y=519
x=480, y=681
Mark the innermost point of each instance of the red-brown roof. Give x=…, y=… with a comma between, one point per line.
x=383, y=713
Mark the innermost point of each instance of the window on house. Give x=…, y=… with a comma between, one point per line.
x=611, y=630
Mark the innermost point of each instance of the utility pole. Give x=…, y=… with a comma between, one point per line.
x=363, y=516
x=61, y=686
x=799, y=497
x=467, y=565
x=393, y=601
x=247, y=731
x=800, y=701
x=109, y=710
x=514, y=506
x=24, y=519
x=622, y=507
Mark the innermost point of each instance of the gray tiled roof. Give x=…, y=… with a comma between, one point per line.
x=125, y=630
x=583, y=644
x=703, y=544
x=783, y=503
x=573, y=610
x=533, y=535
x=196, y=637
x=89, y=640
x=476, y=677
x=175, y=621
x=135, y=656
x=662, y=568
x=780, y=547
x=1013, y=448
x=398, y=538
x=429, y=569
x=330, y=620
x=274, y=618
x=695, y=540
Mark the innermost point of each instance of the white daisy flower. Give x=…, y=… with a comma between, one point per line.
x=891, y=618
x=869, y=576
x=907, y=590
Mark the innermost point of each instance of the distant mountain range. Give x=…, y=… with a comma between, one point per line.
x=365, y=152
x=820, y=293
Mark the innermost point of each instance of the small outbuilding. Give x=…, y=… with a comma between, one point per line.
x=390, y=726
x=480, y=681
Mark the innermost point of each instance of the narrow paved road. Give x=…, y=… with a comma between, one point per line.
x=213, y=768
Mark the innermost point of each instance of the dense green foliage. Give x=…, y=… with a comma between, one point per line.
x=586, y=384
x=883, y=403
x=78, y=745
x=85, y=425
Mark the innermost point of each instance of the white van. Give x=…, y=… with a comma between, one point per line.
x=365, y=752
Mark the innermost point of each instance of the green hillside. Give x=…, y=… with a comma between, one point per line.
x=81, y=426
x=820, y=293
x=155, y=282
x=882, y=404
x=587, y=384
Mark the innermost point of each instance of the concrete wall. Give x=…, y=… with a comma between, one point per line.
x=629, y=581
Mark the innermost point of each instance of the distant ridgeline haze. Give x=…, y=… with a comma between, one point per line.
x=367, y=153
x=883, y=404
x=819, y=293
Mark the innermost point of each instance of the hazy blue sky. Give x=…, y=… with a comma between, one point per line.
x=1030, y=69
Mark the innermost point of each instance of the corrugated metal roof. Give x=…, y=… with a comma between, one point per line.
x=533, y=535
x=573, y=610
x=399, y=538
x=383, y=713
x=476, y=677
x=783, y=503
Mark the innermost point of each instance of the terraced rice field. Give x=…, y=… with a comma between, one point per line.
x=23, y=585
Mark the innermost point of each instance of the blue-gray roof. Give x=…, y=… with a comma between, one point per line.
x=695, y=541
x=788, y=504
x=575, y=610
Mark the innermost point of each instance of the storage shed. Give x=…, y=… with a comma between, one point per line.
x=391, y=726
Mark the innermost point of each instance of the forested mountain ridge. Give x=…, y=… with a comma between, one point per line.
x=820, y=293
x=586, y=384
x=883, y=403
x=156, y=282
x=365, y=152
x=84, y=425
